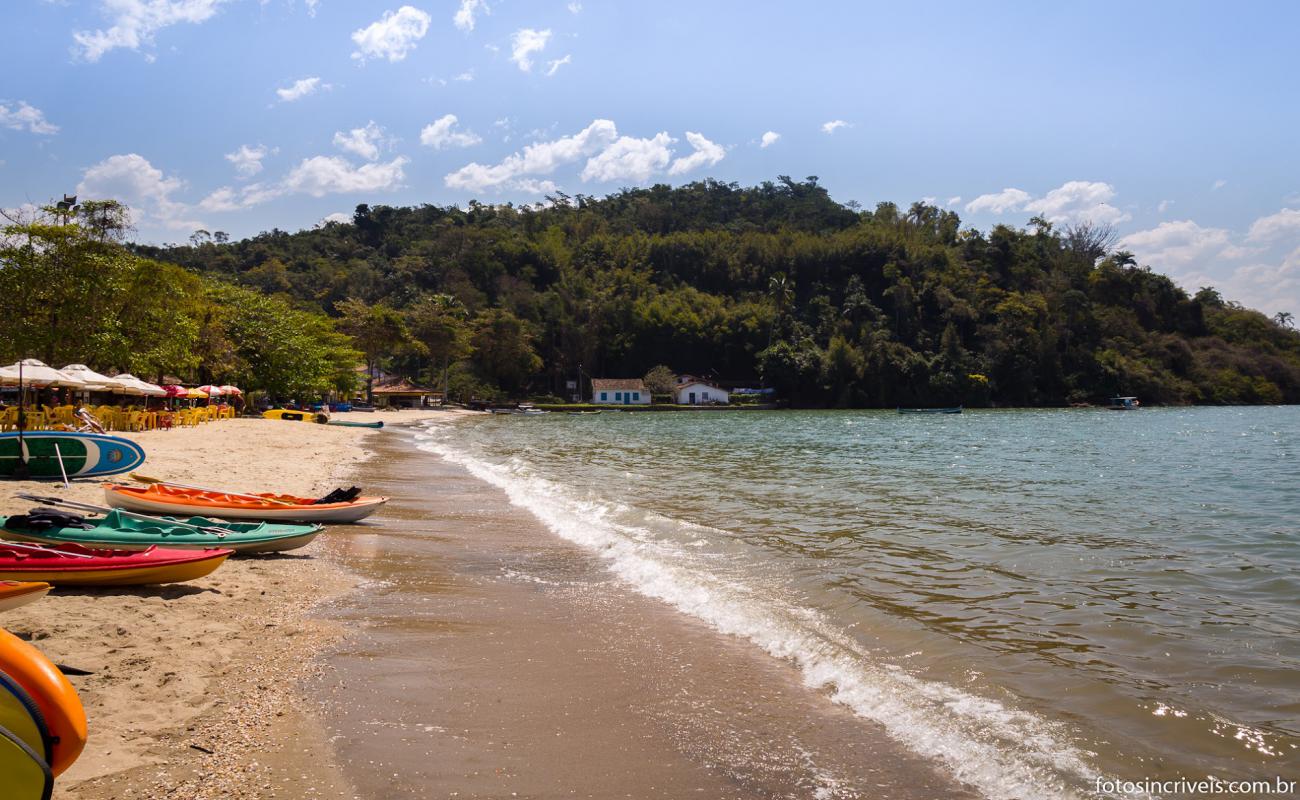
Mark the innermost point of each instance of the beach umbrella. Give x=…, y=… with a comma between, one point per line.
x=196, y=394
x=212, y=391
x=95, y=382
x=141, y=387
x=231, y=390
x=173, y=390
x=36, y=373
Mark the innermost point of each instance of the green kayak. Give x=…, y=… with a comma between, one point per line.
x=132, y=532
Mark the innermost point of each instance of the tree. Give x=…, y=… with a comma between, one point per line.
x=503, y=350
x=661, y=380
x=377, y=331
x=439, y=323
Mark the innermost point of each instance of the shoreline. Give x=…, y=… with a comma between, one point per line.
x=495, y=658
x=184, y=699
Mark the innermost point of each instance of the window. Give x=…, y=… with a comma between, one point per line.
x=636, y=395
x=618, y=396
x=705, y=395
x=604, y=395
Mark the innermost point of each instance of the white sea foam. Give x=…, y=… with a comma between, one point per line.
x=1006, y=753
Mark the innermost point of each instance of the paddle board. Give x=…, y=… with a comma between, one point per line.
x=84, y=454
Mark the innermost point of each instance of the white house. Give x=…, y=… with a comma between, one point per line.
x=699, y=393
x=619, y=391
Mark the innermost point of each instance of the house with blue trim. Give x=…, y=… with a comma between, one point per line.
x=619, y=391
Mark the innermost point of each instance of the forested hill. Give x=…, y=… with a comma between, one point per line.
x=829, y=304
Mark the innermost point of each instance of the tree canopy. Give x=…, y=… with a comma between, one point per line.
x=775, y=284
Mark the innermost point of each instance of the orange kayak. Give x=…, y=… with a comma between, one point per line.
x=178, y=501
x=19, y=593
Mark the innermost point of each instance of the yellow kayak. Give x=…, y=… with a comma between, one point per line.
x=19, y=593
x=26, y=775
x=37, y=684
x=289, y=415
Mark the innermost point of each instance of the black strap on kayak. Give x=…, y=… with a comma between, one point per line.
x=44, y=519
x=339, y=496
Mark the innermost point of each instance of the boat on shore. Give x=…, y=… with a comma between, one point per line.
x=289, y=415
x=125, y=531
x=16, y=593
x=78, y=565
x=950, y=410
x=167, y=499
x=1123, y=404
x=347, y=424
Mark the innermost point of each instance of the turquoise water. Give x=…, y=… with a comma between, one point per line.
x=1034, y=598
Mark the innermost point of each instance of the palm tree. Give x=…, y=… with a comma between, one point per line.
x=782, y=294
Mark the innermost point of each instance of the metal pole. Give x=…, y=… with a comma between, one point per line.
x=20, y=469
x=580, y=384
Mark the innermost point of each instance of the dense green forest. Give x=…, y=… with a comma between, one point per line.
x=72, y=292
x=829, y=304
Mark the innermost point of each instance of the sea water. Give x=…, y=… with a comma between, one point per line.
x=1038, y=600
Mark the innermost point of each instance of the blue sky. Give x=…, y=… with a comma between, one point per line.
x=1179, y=123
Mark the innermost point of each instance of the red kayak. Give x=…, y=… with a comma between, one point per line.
x=74, y=565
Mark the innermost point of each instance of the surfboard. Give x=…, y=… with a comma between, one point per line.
x=84, y=454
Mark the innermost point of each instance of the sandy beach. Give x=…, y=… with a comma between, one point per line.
x=193, y=687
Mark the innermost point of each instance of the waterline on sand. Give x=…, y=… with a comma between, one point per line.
x=1003, y=751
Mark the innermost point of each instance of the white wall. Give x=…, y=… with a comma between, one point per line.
x=715, y=395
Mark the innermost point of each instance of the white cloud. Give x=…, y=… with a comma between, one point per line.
x=311, y=7
x=441, y=133
x=574, y=7
x=300, y=89
x=465, y=77
x=134, y=22
x=554, y=66
x=26, y=117
x=365, y=142
x=131, y=179
x=706, y=155
x=322, y=175
x=540, y=158
x=630, y=159
x=227, y=198
x=954, y=200
x=1275, y=226
x=1219, y=184
x=337, y=216
x=1171, y=245
x=1000, y=202
x=248, y=160
x=393, y=36
x=770, y=138
x=525, y=43
x=1079, y=201
x=834, y=125
x=464, y=16
x=1164, y=206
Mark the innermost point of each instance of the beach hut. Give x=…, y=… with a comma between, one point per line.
x=700, y=393
x=619, y=391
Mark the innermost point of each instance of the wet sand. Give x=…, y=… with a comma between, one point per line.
x=487, y=657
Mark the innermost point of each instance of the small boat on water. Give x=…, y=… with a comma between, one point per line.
x=18, y=593
x=126, y=531
x=1124, y=404
x=76, y=565
x=172, y=499
x=952, y=410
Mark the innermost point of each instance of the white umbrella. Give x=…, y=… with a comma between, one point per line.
x=95, y=382
x=37, y=374
x=136, y=386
